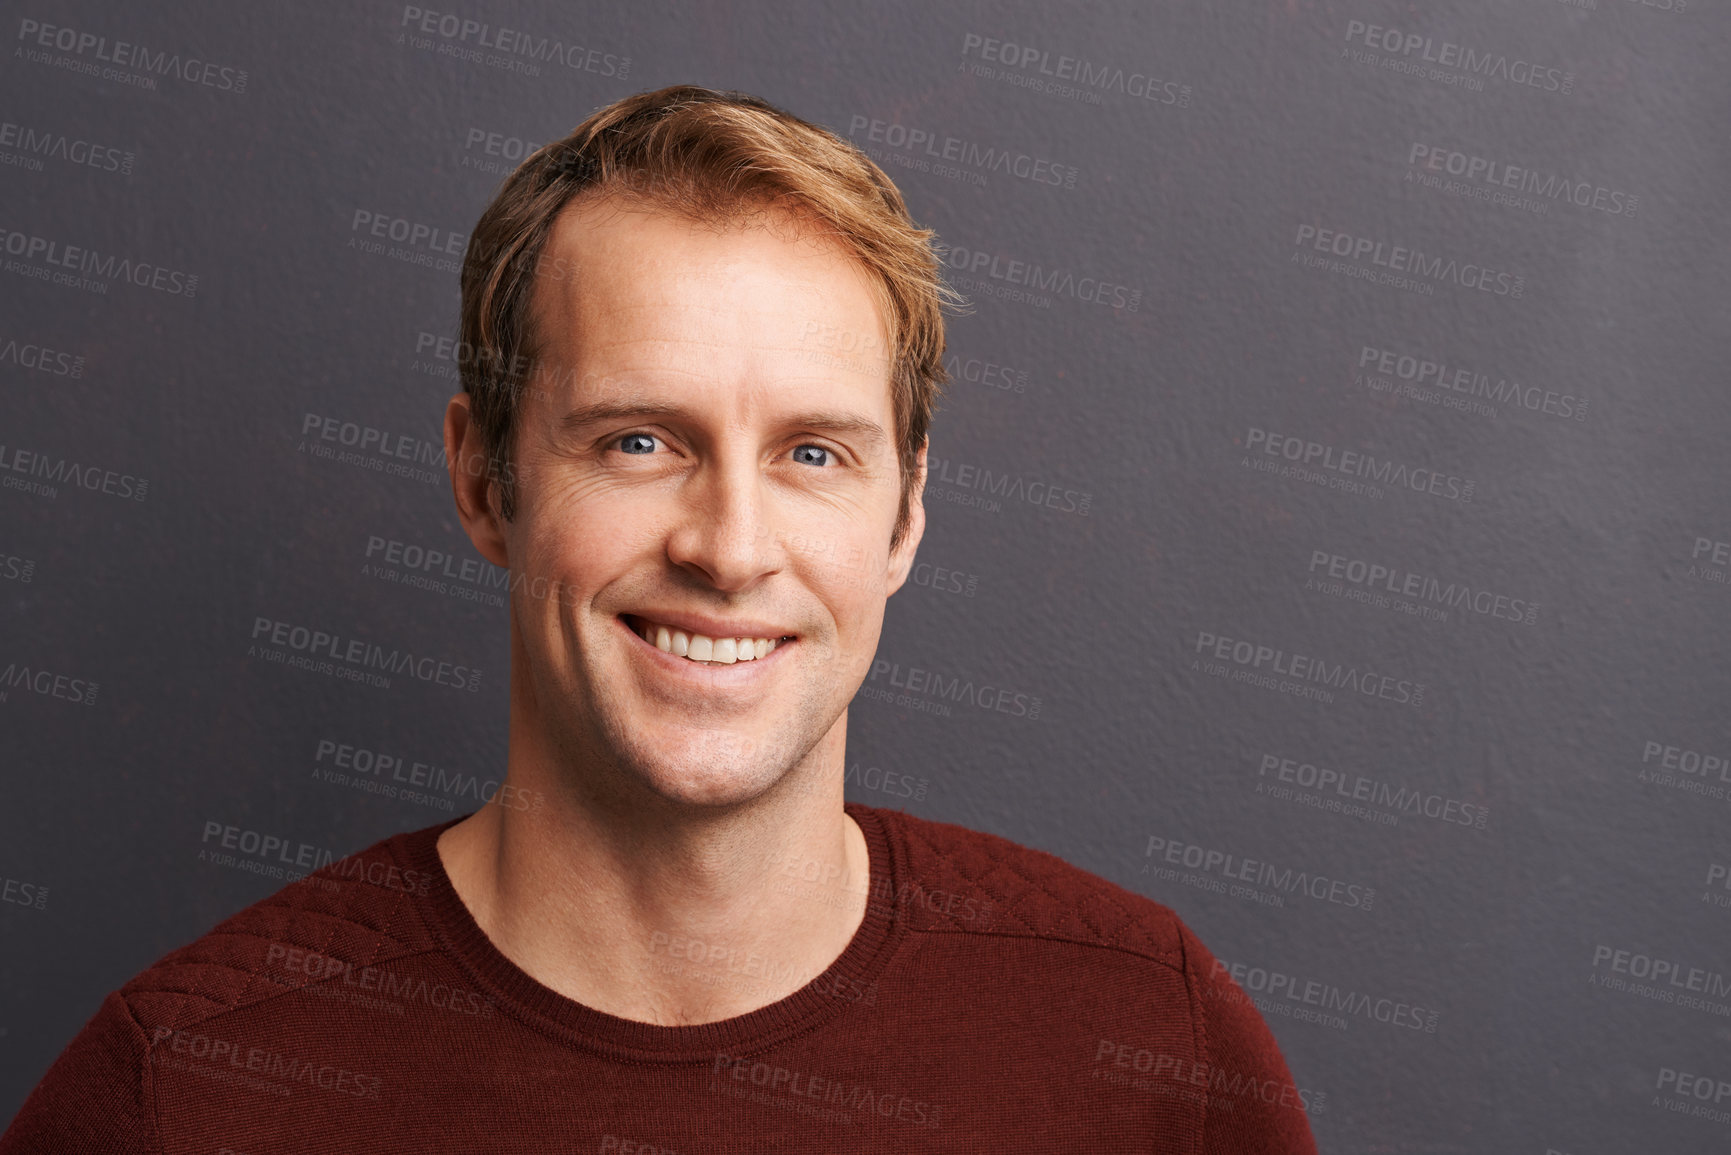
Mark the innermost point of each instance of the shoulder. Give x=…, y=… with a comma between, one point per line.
x=98, y=1094
x=1178, y=1022
x=360, y=910
x=951, y=879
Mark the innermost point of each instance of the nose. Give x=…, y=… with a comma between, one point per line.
x=723, y=531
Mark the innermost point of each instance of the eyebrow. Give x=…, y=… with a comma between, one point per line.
x=825, y=421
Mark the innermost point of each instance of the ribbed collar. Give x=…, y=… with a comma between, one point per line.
x=516, y=992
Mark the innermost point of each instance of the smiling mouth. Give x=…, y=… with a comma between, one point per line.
x=701, y=648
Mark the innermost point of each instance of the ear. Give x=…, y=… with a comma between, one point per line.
x=472, y=482
x=902, y=560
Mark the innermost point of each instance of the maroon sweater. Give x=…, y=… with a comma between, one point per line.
x=994, y=999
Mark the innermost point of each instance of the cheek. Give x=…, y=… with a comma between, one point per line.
x=577, y=549
x=555, y=562
x=855, y=574
x=564, y=521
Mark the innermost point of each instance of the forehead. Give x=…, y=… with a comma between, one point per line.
x=640, y=296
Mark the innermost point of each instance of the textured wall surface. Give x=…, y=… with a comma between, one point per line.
x=1329, y=520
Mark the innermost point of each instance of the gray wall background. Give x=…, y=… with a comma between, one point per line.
x=1097, y=514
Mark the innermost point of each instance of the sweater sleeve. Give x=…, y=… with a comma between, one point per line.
x=1253, y=1106
x=96, y=1096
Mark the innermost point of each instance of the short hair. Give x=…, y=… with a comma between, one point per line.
x=712, y=157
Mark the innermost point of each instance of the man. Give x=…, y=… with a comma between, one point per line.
x=703, y=345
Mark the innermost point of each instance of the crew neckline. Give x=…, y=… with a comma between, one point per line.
x=580, y=1025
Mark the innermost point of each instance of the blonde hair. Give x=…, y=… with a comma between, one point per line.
x=711, y=156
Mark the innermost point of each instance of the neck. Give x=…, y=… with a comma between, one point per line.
x=673, y=915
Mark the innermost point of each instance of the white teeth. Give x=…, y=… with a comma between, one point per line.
x=701, y=648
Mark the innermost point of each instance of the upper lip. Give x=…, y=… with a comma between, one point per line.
x=712, y=627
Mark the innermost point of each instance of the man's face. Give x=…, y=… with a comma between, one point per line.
x=738, y=500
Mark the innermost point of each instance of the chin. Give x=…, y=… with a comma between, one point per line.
x=708, y=788
x=719, y=770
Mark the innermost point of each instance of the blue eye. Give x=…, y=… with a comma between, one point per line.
x=646, y=447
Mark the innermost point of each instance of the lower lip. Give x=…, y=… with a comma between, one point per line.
x=708, y=673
